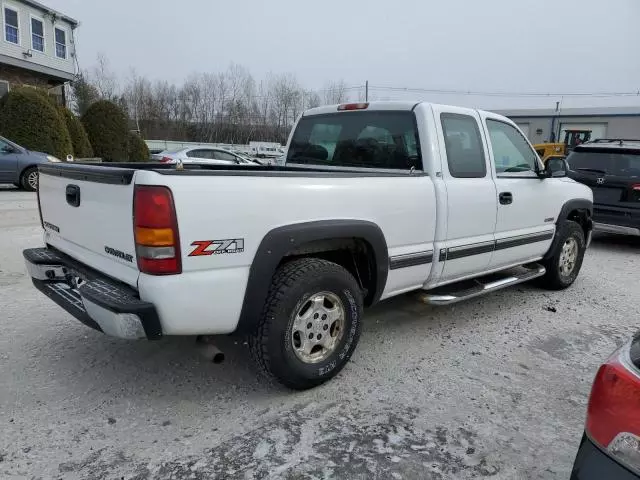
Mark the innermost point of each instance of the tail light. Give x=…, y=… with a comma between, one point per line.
x=613, y=416
x=353, y=106
x=156, y=231
x=166, y=160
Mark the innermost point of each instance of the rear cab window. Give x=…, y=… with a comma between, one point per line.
x=612, y=173
x=361, y=139
x=619, y=163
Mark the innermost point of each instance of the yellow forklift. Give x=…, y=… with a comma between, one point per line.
x=571, y=139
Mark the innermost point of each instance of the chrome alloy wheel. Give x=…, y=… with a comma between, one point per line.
x=568, y=256
x=318, y=327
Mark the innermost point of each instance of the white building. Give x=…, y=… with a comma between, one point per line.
x=37, y=47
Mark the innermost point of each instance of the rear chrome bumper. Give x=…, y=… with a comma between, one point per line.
x=91, y=297
x=618, y=229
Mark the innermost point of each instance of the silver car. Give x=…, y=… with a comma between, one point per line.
x=216, y=156
x=20, y=166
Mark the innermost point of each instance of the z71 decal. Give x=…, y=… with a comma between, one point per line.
x=217, y=247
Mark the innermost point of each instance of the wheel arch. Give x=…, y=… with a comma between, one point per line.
x=578, y=210
x=317, y=238
x=25, y=168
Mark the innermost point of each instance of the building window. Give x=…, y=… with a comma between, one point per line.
x=11, y=30
x=61, y=43
x=37, y=34
x=4, y=88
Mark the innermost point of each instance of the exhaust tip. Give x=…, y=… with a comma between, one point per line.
x=212, y=353
x=218, y=358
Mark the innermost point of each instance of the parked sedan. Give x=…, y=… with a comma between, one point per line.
x=20, y=166
x=610, y=447
x=202, y=155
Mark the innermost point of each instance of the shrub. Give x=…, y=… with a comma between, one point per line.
x=106, y=126
x=138, y=150
x=28, y=119
x=79, y=138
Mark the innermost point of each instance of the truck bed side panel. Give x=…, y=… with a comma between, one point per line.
x=232, y=214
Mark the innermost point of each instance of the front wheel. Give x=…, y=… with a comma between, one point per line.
x=565, y=261
x=310, y=324
x=29, y=179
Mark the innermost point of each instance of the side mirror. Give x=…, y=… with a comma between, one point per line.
x=8, y=149
x=556, y=168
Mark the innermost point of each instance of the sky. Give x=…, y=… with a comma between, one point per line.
x=496, y=46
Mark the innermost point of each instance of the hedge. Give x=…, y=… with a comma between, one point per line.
x=106, y=126
x=79, y=138
x=138, y=150
x=28, y=119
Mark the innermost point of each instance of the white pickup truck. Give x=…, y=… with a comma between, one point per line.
x=375, y=200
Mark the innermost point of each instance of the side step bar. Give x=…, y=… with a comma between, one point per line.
x=457, y=292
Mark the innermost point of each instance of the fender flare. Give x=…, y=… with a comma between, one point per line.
x=278, y=242
x=568, y=207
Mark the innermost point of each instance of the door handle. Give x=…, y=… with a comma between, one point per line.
x=73, y=195
x=506, y=198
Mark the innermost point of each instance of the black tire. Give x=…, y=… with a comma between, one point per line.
x=555, y=279
x=25, y=179
x=293, y=286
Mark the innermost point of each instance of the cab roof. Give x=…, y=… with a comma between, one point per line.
x=372, y=106
x=396, y=106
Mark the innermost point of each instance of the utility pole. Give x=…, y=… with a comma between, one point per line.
x=366, y=91
x=552, y=134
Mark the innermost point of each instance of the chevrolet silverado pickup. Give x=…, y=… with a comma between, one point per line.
x=374, y=200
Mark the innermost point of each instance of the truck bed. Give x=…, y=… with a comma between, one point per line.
x=227, y=205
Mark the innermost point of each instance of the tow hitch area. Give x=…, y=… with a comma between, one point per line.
x=93, y=298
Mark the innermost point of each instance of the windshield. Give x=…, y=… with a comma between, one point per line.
x=626, y=163
x=369, y=139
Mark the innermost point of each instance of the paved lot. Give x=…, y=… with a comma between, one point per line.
x=495, y=387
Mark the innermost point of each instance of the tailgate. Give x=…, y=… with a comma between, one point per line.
x=87, y=213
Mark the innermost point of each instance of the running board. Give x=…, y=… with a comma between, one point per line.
x=457, y=292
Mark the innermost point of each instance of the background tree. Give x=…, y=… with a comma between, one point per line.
x=106, y=125
x=28, y=118
x=83, y=94
x=214, y=107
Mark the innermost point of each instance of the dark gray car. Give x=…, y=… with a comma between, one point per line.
x=20, y=166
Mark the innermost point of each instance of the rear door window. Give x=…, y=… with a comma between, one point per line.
x=200, y=153
x=465, y=154
x=364, y=139
x=219, y=155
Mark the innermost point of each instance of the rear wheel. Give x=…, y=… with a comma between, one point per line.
x=29, y=179
x=310, y=323
x=565, y=262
